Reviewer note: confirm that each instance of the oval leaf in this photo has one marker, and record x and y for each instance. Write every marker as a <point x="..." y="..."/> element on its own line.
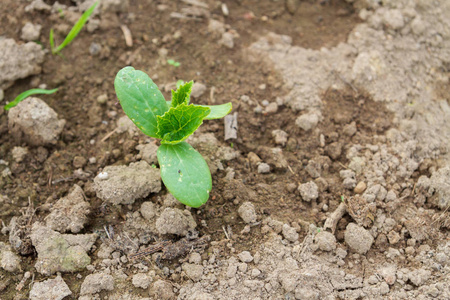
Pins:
<point x="178" y="123"/>
<point x="140" y="99"/>
<point x="218" y="111"/>
<point x="185" y="173"/>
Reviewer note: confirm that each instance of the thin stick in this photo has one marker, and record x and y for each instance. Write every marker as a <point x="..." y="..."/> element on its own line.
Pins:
<point x="108" y="135"/>
<point x="127" y="34"/>
<point x="226" y="233"/>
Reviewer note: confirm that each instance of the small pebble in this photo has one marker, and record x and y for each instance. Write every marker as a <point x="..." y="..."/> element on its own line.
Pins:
<point x="263" y="168"/>
<point x="360" y="187"/>
<point x="102" y="98"/>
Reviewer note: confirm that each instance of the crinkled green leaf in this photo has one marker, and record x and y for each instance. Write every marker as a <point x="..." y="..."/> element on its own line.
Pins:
<point x="180" y="122"/>
<point x="140" y="99"/>
<point x="185" y="173"/>
<point x="218" y="111"/>
<point x="182" y="94"/>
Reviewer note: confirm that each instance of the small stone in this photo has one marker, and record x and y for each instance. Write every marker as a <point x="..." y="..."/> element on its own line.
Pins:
<point x="79" y="162"/>
<point x="247" y="212"/>
<point x="102" y="99"/>
<point x="31" y="32"/>
<point x="263" y="168"/>
<point x="198" y="89"/>
<point x="280" y="137"/>
<point x="292" y="6"/>
<point x="195" y="258"/>
<point x="289" y="233"/>
<point x="308" y="191"/>
<point x="393" y="18"/>
<point x="243" y="267"/>
<point x="70" y="212"/>
<point x="253" y="158"/>
<point x="148" y="152"/>
<point x="162" y="290"/>
<point x="349" y="129"/>
<point x="175" y="221"/>
<point x="360" y="187"/>
<point x="9" y="261"/>
<point x="227" y="40"/>
<point x="141" y="280"/>
<point x="419" y="277"/>
<point x="51" y="246"/>
<point x="394" y="237"/>
<point x="325" y="240"/>
<point x="256" y="272"/>
<point x="384" y="288"/>
<point x="245" y="256"/>
<point x="358" y="238"/>
<point x="193" y="271"/>
<point x="148" y="210"/>
<point x="55" y="289"/>
<point x="19" y="153"/>
<point x="36" y="122"/>
<point x="334" y="150"/>
<point x="95" y="49"/>
<point x="231" y="270"/>
<point x="307" y="121"/>
<point x="271" y="108"/>
<point x="97" y="282"/>
<point x="139" y="178"/>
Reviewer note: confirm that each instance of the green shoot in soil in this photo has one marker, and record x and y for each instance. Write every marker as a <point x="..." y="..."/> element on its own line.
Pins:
<point x="183" y="170"/>
<point x="73" y="32"/>
<point x="173" y="63"/>
<point x="26" y="94"/>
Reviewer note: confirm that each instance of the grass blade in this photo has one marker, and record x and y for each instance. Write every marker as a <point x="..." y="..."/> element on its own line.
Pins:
<point x="52" y="41"/>
<point x="76" y="28"/>
<point x="26" y="94"/>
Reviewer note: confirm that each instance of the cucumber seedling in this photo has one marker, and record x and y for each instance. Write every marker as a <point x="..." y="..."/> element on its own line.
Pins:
<point x="184" y="172"/>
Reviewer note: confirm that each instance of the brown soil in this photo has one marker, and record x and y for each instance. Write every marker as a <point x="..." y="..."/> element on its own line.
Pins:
<point x="46" y="174"/>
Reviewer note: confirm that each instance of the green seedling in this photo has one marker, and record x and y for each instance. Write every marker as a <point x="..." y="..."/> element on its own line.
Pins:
<point x="27" y="94"/>
<point x="183" y="170"/>
<point x="180" y="83"/>
<point x="73" y="32"/>
<point x="173" y="63"/>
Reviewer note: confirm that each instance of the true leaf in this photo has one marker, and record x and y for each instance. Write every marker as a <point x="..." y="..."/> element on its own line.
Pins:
<point x="180" y="122"/>
<point x="185" y="173"/>
<point x="182" y="94"/>
<point x="140" y="99"/>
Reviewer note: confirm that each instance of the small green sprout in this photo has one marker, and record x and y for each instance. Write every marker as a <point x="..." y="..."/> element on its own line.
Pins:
<point x="173" y="63"/>
<point x="27" y="94"/>
<point x="183" y="170"/>
<point x="73" y="32"/>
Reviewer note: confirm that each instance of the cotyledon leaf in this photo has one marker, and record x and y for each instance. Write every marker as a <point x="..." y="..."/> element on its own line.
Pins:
<point x="140" y="99"/>
<point x="178" y="123"/>
<point x="182" y="94"/>
<point x="185" y="173"/>
<point x="217" y="111"/>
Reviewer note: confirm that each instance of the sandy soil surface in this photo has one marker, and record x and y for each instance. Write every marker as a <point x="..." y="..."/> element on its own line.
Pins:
<point x="336" y="187"/>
